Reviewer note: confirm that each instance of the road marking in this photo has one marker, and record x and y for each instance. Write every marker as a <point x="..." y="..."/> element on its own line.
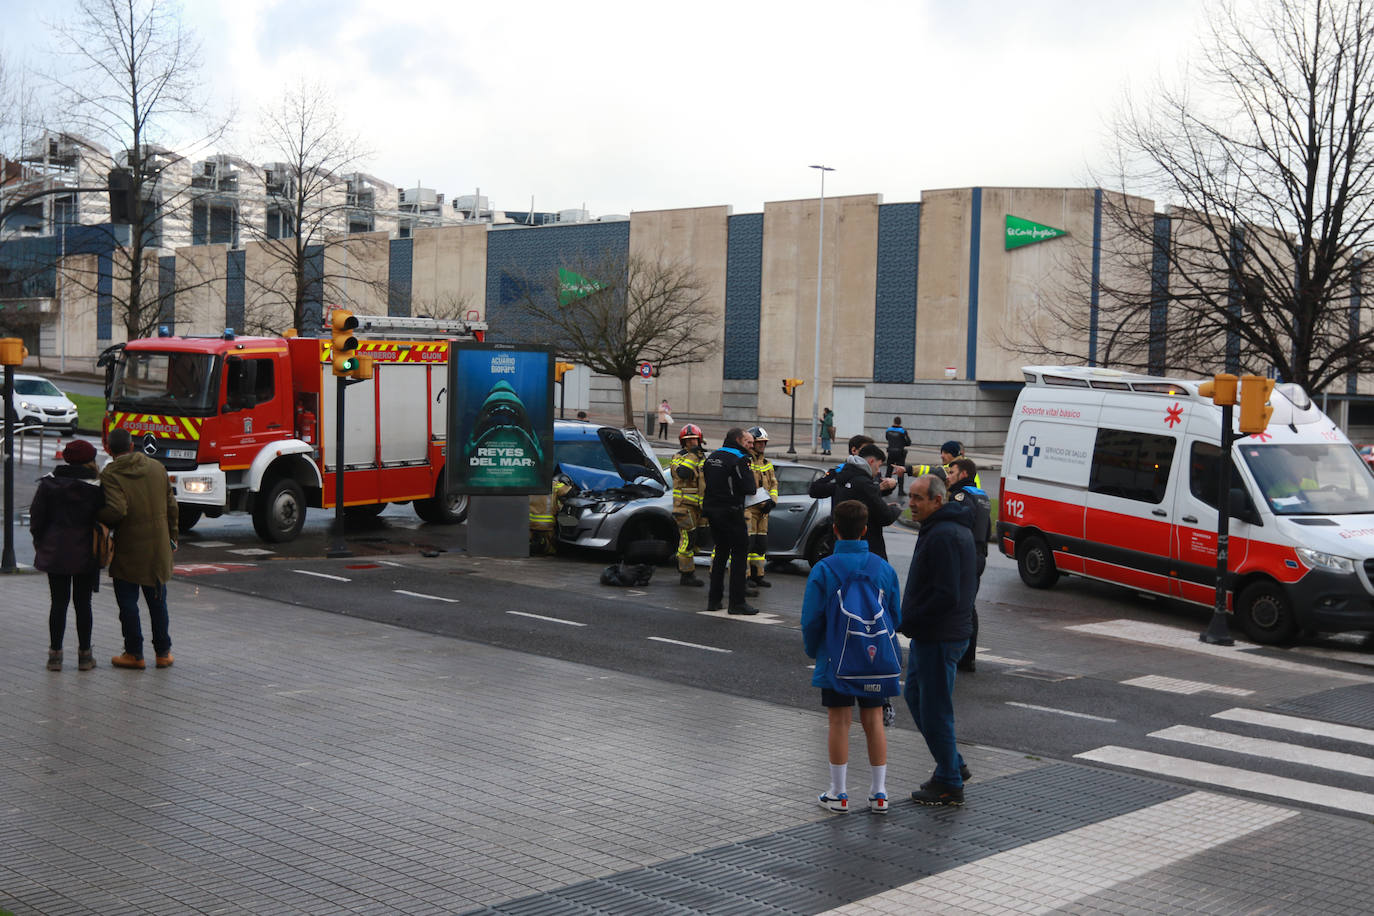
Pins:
<point x="1355" y="655"/>
<point x="1154" y="634"/>
<point x="690" y="645"/>
<point x="206" y="543"/>
<point x="1263" y="747"/>
<point x="253" y="552"/>
<point x="1174" y="685"/>
<point x="401" y="591"/>
<point x="1295" y="724"/>
<point x="390" y="563"/>
<point x="1000" y="660"/>
<point x="571" y="623"/>
<point x="311" y="572"/>
<point x="761" y="617"/>
<point x="1061" y="712"/>
<point x="1291" y="790"/>
<point x="1117" y="851"/>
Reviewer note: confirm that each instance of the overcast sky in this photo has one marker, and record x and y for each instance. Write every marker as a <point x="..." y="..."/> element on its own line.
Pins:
<point x="644" y="106"/>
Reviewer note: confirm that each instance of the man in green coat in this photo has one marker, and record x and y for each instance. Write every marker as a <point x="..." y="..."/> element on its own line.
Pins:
<point x="141" y="509"/>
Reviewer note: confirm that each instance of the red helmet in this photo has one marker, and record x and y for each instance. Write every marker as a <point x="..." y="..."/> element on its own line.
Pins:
<point x="690" y="431"/>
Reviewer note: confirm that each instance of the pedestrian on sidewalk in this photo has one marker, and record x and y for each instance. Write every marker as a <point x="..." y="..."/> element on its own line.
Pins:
<point x="827" y="430"/>
<point x="729" y="481"/>
<point x="831" y="578"/>
<point x="62" y="520"/>
<point x="937" y="610"/>
<point x="665" y="416"/>
<point x="141" y="509"/>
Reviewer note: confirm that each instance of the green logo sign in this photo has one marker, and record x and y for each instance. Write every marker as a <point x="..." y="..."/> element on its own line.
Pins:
<point x="573" y="286"/>
<point x="1021" y="232"/>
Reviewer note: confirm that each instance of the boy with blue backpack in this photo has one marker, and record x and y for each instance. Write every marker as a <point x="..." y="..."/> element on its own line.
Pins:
<point x="850" y="616"/>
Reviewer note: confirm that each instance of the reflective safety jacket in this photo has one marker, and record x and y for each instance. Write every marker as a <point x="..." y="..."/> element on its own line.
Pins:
<point x="689" y="485"/>
<point x="544" y="506"/>
<point x="765" y="477"/>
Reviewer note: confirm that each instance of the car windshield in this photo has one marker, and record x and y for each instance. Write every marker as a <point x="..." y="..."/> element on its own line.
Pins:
<point x="609" y="461"/>
<point x="168" y="381"/>
<point x="36" y="387"/>
<point x="1326" y="479"/>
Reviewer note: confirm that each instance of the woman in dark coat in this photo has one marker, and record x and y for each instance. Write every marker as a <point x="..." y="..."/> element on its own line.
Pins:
<point x="62" y="519"/>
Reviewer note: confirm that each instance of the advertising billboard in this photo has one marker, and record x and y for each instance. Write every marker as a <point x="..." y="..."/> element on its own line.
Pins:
<point x="500" y="419"/>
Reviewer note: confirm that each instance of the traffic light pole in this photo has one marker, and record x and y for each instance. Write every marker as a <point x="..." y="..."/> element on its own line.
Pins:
<point x="1218" y="633"/>
<point x="792" y="427"/>
<point x="338" y="547"/>
<point x="7" y="564"/>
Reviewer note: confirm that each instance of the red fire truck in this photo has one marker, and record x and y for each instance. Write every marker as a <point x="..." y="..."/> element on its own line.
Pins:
<point x="246" y="424"/>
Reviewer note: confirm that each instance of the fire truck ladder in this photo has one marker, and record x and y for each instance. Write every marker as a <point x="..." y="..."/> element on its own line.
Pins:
<point x="387" y="327"/>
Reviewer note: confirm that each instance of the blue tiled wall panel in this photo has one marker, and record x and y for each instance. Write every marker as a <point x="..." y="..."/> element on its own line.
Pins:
<point x="104" y="297"/>
<point x="166" y="292"/>
<point x="535" y="255"/>
<point x="1159" y="296"/>
<point x="743" y="295"/>
<point x="1356" y="297"/>
<point x="314" y="286"/>
<point x="233" y="291"/>
<point x="400" y="265"/>
<point x="894" y="337"/>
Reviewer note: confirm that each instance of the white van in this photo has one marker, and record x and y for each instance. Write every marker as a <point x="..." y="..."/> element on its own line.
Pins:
<point x="1113" y="476"/>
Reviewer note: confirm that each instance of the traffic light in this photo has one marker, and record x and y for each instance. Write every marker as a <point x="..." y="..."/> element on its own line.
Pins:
<point x="12" y="351"/>
<point x="1254" y="403"/>
<point x="790" y="386"/>
<point x="560" y="370"/>
<point x="343" y="346"/>
<point x="1221" y="389"/>
<point x="120" y="183"/>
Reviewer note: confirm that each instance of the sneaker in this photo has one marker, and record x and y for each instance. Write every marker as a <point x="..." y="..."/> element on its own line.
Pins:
<point x="877" y="803"/>
<point x="838" y="804"/>
<point x="938" y="793"/>
<point x="747" y="610"/>
<point x="125" y="660"/>
<point x="761" y="582"/>
<point x="692" y="579"/>
<point x="965" y="774"/>
<point x="54" y="659"/>
<point x="164" y="661"/>
<point x="85" y="660"/>
<point x="714" y="606"/>
<point x="889" y="714"/>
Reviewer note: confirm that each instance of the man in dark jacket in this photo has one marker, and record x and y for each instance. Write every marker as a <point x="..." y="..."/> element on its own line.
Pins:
<point x="858" y="479"/>
<point x="62" y="520"/>
<point x="823" y="487"/>
<point x="141" y="509"/>
<point x="937" y="610"/>
<point x="897" y="444"/>
<point x="729" y="479"/>
<point x="963" y="493"/>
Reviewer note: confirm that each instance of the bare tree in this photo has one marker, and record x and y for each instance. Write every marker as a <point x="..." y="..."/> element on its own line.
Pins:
<point x="616" y="311"/>
<point x="130" y="80"/>
<point x="1266" y="164"/>
<point x="308" y="207"/>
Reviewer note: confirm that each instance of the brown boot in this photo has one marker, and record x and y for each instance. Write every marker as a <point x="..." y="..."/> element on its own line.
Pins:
<point x="125" y="660"/>
<point x="164" y="661"/>
<point x="85" y="660"/>
<point x="54" y="659"/>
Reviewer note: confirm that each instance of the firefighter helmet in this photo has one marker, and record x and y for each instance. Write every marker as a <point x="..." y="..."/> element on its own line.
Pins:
<point x="759" y="433"/>
<point x="690" y="431"/>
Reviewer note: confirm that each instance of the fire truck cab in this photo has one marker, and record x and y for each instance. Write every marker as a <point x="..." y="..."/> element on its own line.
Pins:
<point x="246" y="424"/>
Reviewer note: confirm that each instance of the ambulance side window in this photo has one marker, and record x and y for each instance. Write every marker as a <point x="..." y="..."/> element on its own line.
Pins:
<point x="1204" y="467"/>
<point x="1131" y="465"/>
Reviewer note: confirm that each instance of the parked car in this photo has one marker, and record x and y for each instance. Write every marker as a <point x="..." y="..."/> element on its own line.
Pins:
<point x="38" y="401"/>
<point x="624" y="495"/>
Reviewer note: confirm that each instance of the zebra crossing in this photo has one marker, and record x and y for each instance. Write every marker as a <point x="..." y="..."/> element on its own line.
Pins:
<point x="1244" y="748"/>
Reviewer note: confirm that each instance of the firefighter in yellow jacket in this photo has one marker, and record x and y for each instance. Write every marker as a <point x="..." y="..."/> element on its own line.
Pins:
<point x="689" y="486"/>
<point x="756" y="515"/>
<point x="543" y="511"/>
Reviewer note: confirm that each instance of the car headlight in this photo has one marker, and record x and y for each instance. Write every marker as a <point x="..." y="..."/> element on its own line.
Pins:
<point x="25" y="405"/>
<point x="608" y="507"/>
<point x="1315" y="558"/>
<point x="197" y="484"/>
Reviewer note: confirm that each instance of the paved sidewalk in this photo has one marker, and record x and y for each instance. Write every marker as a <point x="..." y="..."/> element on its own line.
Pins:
<point x="295" y="761"/>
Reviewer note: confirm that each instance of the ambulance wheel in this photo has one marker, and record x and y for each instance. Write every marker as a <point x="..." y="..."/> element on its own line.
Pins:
<point x="1266" y="614"/>
<point x="187" y="516"/>
<point x="1035" y="562"/>
<point x="441" y="509"/>
<point x="279" y="511"/>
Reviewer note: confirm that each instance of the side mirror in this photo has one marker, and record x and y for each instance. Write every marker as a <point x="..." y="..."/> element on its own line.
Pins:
<point x="1242" y="508"/>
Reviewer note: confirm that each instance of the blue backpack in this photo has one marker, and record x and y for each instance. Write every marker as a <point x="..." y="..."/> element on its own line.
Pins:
<point x="865" y="659"/>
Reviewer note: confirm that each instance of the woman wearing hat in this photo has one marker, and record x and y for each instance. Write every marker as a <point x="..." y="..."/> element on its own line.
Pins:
<point x="62" y="519"/>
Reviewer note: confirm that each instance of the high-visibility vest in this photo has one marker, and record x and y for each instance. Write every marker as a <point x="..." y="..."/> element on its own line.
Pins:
<point x="765" y="476"/>
<point x="690" y="491"/>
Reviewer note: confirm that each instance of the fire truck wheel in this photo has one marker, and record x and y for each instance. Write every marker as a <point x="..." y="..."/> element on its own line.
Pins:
<point x="187" y="516"/>
<point x="442" y="510"/>
<point x="1035" y="562"/>
<point x="279" y="511"/>
<point x="1266" y="614"/>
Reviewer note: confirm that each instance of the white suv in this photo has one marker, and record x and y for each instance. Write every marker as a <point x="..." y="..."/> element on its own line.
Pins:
<point x="37" y="401"/>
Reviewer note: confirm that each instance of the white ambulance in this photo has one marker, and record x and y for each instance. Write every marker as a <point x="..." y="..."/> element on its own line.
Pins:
<point x="1114" y="476"/>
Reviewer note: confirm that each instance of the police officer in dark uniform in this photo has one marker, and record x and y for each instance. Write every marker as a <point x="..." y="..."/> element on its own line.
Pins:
<point x="729" y="479"/>
<point x="963" y="492"/>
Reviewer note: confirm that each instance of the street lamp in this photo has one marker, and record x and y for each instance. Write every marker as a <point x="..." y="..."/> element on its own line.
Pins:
<point x="816" y="356"/>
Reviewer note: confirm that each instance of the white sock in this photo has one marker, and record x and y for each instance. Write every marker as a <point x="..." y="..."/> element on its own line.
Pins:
<point x="879" y="780"/>
<point x="838" y="774"/>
